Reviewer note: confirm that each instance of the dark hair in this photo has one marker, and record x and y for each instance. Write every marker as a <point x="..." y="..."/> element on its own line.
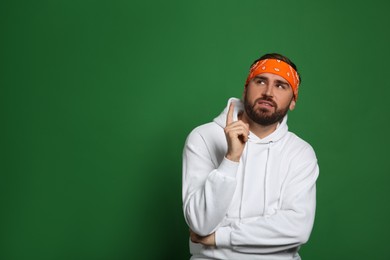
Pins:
<point x="279" y="57"/>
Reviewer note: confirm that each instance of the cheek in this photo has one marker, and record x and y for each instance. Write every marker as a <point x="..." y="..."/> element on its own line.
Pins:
<point x="251" y="94"/>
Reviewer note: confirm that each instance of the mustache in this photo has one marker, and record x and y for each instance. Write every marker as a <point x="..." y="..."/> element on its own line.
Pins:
<point x="265" y="98"/>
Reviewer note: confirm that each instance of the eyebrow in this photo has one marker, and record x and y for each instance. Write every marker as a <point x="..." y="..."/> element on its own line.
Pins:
<point x="261" y="77"/>
<point x="277" y="81"/>
<point x="282" y="82"/>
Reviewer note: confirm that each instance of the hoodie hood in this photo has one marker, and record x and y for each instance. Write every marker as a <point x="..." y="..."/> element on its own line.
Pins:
<point x="278" y="134"/>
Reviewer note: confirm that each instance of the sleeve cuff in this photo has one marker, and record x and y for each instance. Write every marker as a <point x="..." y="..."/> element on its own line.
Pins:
<point x="222" y="237"/>
<point x="228" y="168"/>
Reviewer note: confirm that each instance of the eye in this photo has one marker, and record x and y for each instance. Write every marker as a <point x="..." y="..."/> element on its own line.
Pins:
<point x="260" y="81"/>
<point x="281" y="86"/>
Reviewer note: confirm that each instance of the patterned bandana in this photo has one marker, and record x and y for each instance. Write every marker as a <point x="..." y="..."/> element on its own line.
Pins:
<point x="277" y="67"/>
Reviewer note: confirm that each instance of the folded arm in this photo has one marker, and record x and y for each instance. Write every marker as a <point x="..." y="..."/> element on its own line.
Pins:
<point x="207" y="188"/>
<point x="288" y="227"/>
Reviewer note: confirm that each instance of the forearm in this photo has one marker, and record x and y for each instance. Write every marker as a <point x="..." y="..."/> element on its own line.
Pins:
<point x="284" y="228"/>
<point x="264" y="235"/>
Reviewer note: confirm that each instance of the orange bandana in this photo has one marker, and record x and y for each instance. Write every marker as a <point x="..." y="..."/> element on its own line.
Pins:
<point x="277" y="67"/>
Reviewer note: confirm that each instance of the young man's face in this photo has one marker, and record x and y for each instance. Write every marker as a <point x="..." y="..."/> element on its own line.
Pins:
<point x="267" y="98"/>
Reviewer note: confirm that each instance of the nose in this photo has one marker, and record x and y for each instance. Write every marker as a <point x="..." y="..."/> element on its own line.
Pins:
<point x="268" y="90"/>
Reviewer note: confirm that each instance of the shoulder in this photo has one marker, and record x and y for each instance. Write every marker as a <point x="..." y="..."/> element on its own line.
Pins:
<point x="207" y="141"/>
<point x="205" y="132"/>
<point x="208" y="138"/>
<point x="299" y="147"/>
<point x="300" y="157"/>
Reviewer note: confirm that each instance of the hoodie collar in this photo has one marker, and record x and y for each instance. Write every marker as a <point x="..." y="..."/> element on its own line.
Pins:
<point x="275" y="136"/>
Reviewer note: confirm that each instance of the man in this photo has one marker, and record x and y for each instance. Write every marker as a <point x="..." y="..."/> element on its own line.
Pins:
<point x="248" y="183"/>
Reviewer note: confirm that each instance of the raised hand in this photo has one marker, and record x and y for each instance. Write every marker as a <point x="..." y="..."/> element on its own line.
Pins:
<point x="236" y="135"/>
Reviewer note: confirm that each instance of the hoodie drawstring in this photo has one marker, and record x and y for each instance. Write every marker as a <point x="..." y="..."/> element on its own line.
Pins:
<point x="265" y="178"/>
<point x="243" y="179"/>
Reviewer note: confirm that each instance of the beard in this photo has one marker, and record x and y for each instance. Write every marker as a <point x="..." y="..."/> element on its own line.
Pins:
<point x="264" y="116"/>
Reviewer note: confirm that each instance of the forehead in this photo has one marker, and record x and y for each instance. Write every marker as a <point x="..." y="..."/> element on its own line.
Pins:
<point x="271" y="76"/>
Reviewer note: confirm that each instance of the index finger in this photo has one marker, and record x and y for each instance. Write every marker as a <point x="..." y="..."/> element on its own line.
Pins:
<point x="229" y="117"/>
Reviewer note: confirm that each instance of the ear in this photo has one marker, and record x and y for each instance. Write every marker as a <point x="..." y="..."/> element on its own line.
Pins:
<point x="292" y="104"/>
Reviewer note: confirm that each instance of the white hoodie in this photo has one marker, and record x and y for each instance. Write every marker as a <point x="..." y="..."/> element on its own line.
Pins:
<point x="260" y="208"/>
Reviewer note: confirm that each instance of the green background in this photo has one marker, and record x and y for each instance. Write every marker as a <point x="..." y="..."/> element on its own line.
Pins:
<point x="97" y="98"/>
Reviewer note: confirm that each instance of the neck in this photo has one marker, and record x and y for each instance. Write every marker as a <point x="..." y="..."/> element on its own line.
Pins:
<point x="259" y="130"/>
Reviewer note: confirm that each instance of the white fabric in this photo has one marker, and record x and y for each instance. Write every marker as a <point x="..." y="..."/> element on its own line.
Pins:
<point x="260" y="208"/>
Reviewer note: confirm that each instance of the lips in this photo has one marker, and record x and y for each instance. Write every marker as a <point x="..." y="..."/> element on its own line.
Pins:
<point x="266" y="103"/>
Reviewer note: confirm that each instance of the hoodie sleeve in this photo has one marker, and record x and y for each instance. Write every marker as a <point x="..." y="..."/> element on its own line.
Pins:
<point x="207" y="188"/>
<point x="288" y="227"/>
